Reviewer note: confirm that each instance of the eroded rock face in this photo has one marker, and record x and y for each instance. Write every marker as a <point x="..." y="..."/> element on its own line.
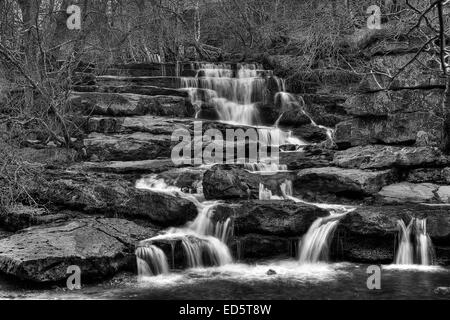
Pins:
<point x="378" y="157"/>
<point x="111" y="195"/>
<point x="276" y="218"/>
<point x="256" y="247"/>
<point x="368" y="234"/>
<point x="127" y="147"/>
<point x="100" y="247"/>
<point x="351" y="183"/>
<point x="234" y="182"/>
<point x="416" y="193"/>
<point x="129" y="104"/>
<point x="418" y="128"/>
<point x="17" y="217"/>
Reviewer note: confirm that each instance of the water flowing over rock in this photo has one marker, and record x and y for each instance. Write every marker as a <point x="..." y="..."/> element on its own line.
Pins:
<point x="415" y="245"/>
<point x="100" y="247"/>
<point x="370" y="234"/>
<point x="277" y="218"/>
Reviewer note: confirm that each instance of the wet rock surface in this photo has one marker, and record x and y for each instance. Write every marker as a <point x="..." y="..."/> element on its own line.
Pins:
<point x="99" y="247"/>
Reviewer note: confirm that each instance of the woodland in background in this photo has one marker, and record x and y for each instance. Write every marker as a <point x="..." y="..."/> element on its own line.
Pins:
<point x="39" y="55"/>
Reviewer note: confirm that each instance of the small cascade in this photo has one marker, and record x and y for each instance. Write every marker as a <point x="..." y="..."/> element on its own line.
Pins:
<point x="314" y="246"/>
<point x="415" y="245"/>
<point x="267" y="168"/>
<point x="151" y="261"/>
<point x="203" y="241"/>
<point x="288" y="102"/>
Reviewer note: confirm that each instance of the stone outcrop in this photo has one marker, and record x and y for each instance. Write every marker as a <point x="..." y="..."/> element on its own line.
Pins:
<point x="379" y="157"/>
<point x="415" y="192"/>
<point x="128" y="104"/>
<point x="274" y="218"/>
<point x="99" y="247"/>
<point x="369" y="234"/>
<point x="234" y="182"/>
<point x="110" y="195"/>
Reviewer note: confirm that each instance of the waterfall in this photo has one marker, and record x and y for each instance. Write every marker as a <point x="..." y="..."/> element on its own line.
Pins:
<point x="235" y="95"/>
<point x="415" y="245"/>
<point x="151" y="261"/>
<point x="203" y="241"/>
<point x="314" y="246"/>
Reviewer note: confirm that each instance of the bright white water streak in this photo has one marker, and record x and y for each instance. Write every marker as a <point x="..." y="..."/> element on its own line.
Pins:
<point x="234" y="98"/>
<point x="200" y="238"/>
<point x="151" y="261"/>
<point x="415" y="246"/>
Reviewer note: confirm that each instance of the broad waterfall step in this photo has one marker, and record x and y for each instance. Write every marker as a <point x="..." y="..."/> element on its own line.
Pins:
<point x="135" y="89"/>
<point x="162" y="82"/>
<point x="127" y="104"/>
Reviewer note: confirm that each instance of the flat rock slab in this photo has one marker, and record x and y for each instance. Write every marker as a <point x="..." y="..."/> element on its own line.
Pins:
<point x="415" y="193"/>
<point x="156" y="81"/>
<point x="100" y="247"/>
<point x="128" y="147"/>
<point x="149" y="124"/>
<point x="127" y="104"/>
<point x="379" y="157"/>
<point x="134" y="89"/>
<point x="353" y="183"/>
<point x="111" y="196"/>
<point x="130" y="167"/>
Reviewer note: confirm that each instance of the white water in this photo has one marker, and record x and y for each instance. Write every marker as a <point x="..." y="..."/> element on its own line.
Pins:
<point x="151" y="260"/>
<point x="203" y="241"/>
<point x="415" y="247"/>
<point x="234" y="96"/>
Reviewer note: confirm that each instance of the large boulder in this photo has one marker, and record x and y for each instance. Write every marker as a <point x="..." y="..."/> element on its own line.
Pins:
<point x="378" y="157"/>
<point x="234" y="182"/>
<point x="128" y="104"/>
<point x="110" y="195"/>
<point x="99" y="247"/>
<point x="369" y="234"/>
<point x="150" y="124"/>
<point x="348" y="183"/>
<point x="276" y="218"/>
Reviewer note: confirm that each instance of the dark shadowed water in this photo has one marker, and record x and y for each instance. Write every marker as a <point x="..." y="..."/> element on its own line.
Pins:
<point x="291" y="281"/>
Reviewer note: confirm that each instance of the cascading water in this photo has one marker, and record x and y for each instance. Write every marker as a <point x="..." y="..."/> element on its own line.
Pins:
<point x="415" y="245"/>
<point x="151" y="260"/>
<point x="234" y="94"/>
<point x="203" y="241"/>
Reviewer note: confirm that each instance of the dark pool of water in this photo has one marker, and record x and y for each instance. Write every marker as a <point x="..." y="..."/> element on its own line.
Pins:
<point x="293" y="282"/>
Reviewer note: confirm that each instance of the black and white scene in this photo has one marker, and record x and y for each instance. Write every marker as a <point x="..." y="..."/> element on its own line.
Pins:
<point x="212" y="150"/>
